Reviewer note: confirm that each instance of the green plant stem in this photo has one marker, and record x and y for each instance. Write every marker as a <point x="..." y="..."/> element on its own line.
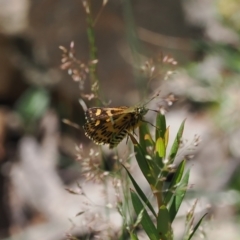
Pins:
<point x="93" y="49"/>
<point x="134" y="44"/>
<point x="158" y="194"/>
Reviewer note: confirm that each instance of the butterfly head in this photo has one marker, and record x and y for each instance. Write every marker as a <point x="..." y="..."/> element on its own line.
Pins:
<point x="141" y="110"/>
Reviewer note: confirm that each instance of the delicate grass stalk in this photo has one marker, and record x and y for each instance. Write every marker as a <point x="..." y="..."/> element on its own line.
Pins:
<point x="134" y="44"/>
<point x="92" y="46"/>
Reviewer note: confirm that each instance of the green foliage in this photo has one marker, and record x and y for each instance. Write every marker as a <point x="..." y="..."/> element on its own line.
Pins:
<point x="144" y="218"/>
<point x="154" y="157"/>
<point x="32" y="104"/>
<point x="151" y="158"/>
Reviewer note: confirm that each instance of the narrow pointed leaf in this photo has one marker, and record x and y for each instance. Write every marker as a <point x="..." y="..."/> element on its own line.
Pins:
<point x="143" y="164"/>
<point x="176" y="143"/>
<point x="146" y="221"/>
<point x="178" y="197"/>
<point x="196" y="226"/>
<point x="161" y="126"/>
<point x="146" y="141"/>
<point x="141" y="193"/>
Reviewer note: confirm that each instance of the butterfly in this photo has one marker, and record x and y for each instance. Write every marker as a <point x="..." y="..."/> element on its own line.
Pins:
<point x="111" y="125"/>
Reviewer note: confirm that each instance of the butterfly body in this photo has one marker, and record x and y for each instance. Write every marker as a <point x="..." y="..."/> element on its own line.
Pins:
<point x="111" y="125"/>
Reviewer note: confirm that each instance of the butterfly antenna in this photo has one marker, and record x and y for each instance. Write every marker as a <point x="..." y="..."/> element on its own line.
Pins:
<point x="153" y="110"/>
<point x="157" y="95"/>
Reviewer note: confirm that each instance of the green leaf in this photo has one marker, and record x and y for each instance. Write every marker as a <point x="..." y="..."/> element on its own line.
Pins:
<point x="160" y="148"/>
<point x="160" y="152"/>
<point x="33" y="103"/>
<point x="133" y="236"/>
<point x="164" y="224"/>
<point x="145" y="138"/>
<point x="143" y="164"/>
<point x="161" y="126"/>
<point x="196" y="226"/>
<point x="166" y="137"/>
<point x="176" y="143"/>
<point x="178" y="197"/>
<point x="141" y="193"/>
<point x="175" y="180"/>
<point x="146" y="221"/>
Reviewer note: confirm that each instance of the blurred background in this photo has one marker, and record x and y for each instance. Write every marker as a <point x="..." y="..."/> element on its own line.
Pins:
<point x="38" y="152"/>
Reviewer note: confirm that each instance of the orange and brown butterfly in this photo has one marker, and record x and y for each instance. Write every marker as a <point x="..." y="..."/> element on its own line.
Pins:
<point x="111" y="125"/>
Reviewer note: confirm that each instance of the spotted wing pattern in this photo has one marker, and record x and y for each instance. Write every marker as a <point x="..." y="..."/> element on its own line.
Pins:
<point x="111" y="125"/>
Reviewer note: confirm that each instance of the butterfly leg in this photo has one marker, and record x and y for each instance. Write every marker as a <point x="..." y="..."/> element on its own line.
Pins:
<point x="127" y="139"/>
<point x="150" y="124"/>
<point x="134" y="132"/>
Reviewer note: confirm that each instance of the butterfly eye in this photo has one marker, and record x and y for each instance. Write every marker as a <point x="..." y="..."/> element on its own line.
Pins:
<point x="139" y="110"/>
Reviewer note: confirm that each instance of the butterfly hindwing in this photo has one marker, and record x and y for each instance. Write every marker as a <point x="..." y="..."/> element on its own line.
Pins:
<point x="111" y="125"/>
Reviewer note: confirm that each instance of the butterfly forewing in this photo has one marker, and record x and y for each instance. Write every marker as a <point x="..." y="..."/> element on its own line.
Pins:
<point x="111" y="125"/>
<point x="103" y="113"/>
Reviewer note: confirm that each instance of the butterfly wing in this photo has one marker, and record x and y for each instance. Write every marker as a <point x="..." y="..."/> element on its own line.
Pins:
<point x="99" y="123"/>
<point x="103" y="113"/>
<point x="110" y="125"/>
<point x="122" y="125"/>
